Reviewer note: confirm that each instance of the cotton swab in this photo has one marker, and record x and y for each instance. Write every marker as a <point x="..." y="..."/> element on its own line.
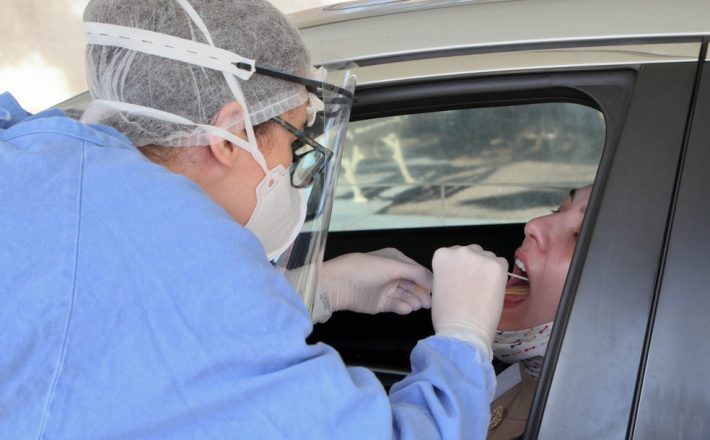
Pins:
<point x="520" y="277"/>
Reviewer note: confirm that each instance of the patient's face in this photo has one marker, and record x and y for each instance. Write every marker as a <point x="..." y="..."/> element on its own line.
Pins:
<point x="546" y="253"/>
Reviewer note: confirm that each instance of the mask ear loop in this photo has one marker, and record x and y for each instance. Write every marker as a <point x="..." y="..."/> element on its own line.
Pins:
<point x="99" y="108"/>
<point x="233" y="86"/>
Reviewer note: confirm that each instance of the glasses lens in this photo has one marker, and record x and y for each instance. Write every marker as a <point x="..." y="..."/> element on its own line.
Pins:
<point x="305" y="167"/>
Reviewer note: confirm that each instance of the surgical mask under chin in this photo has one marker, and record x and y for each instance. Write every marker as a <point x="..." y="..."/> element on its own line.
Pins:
<point x="527" y="346"/>
<point x="280" y="212"/>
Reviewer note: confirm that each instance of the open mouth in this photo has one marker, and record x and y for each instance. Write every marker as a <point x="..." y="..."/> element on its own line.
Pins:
<point x="516" y="286"/>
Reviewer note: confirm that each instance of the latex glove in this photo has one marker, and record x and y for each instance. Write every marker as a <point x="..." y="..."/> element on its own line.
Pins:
<point x="382" y="281"/>
<point x="467" y="298"/>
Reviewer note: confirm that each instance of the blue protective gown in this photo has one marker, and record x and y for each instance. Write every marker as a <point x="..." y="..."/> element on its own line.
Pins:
<point x="132" y="306"/>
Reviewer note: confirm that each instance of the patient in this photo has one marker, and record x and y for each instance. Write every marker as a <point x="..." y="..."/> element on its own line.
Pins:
<point x="529" y="309"/>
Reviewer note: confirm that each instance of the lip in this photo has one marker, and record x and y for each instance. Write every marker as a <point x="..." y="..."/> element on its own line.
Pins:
<point x="511" y="301"/>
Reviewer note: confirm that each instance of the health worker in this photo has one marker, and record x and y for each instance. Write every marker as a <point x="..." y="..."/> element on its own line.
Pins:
<point x="146" y="249"/>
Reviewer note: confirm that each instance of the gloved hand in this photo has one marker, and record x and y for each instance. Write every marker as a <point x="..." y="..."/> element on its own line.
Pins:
<point x="382" y="281"/>
<point x="467" y="298"/>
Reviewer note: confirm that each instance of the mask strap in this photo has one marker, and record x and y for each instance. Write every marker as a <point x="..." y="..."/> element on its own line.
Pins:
<point x="98" y="107"/>
<point x="188" y="51"/>
<point x="195" y="17"/>
<point x="233" y="86"/>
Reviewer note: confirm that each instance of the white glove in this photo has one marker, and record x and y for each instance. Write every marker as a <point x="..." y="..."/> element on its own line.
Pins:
<point x="382" y="281"/>
<point x="467" y="298"/>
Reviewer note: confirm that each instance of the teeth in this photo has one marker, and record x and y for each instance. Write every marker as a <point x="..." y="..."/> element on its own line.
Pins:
<point x="520" y="265"/>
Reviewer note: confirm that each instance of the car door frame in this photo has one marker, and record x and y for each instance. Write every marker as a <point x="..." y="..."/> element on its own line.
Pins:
<point x="672" y="388"/>
<point x="594" y="364"/>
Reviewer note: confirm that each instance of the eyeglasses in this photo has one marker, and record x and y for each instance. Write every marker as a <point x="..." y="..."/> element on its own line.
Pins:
<point x="309" y="156"/>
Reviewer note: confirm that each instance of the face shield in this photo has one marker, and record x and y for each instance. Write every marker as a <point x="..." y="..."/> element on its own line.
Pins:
<point x="317" y="156"/>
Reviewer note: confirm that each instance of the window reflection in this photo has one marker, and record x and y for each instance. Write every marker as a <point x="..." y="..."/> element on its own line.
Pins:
<point x="471" y="166"/>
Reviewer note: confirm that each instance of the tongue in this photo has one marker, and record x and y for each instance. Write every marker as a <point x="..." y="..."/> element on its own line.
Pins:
<point x="518" y="290"/>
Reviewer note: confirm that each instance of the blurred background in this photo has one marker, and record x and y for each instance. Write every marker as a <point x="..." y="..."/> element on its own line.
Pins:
<point x="41" y="54"/>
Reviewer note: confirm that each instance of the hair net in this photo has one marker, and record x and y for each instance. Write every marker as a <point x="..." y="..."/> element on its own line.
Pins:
<point x="251" y="28"/>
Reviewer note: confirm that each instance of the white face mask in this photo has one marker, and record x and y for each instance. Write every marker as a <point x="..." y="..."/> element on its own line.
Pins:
<point x="280" y="212"/>
<point x="527" y="346"/>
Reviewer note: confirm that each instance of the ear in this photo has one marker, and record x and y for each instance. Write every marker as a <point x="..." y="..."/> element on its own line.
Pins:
<point x="224" y="151"/>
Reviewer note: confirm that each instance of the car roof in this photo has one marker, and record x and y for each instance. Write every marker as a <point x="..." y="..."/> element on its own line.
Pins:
<point x="381" y="29"/>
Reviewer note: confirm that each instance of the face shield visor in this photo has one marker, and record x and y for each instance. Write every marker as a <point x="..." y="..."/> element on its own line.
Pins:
<point x="317" y="156"/>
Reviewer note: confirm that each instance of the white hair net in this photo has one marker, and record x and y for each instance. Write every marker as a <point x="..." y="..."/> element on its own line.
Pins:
<point x="251" y="28"/>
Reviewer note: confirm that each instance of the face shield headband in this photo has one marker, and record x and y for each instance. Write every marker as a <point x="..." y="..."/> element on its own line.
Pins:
<point x="313" y="86"/>
<point x="205" y="55"/>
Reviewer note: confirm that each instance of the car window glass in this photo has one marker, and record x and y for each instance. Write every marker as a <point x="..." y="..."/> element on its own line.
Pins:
<point x="464" y="167"/>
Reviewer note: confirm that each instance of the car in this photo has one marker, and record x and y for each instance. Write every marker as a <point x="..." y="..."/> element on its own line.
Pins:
<point x="474" y="116"/>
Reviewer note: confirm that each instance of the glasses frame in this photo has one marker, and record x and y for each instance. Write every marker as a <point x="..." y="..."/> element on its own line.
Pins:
<point x="317" y="148"/>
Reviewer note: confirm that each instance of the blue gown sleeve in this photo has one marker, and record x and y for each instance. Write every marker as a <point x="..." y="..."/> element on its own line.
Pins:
<point x="10" y="111"/>
<point x="448" y="393"/>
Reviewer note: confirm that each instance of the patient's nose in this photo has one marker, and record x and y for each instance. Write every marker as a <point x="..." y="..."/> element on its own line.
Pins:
<point x="536" y="230"/>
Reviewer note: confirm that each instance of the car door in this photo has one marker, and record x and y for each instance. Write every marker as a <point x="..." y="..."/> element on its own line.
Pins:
<point x="672" y="390"/>
<point x="622" y="91"/>
<point x="607" y="371"/>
